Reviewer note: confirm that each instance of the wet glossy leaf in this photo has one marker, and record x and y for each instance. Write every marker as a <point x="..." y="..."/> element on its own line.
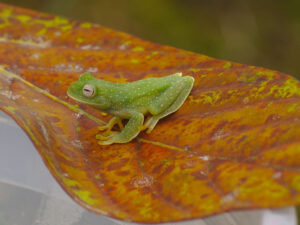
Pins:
<point x="234" y="144"/>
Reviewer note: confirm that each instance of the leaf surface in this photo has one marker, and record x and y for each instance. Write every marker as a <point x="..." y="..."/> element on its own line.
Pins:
<point x="234" y="144"/>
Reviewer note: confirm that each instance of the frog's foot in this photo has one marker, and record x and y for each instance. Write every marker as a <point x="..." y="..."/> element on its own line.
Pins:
<point x="106" y="137"/>
<point x="150" y="124"/>
<point x="106" y="133"/>
<point x="107" y="140"/>
<point x="107" y="128"/>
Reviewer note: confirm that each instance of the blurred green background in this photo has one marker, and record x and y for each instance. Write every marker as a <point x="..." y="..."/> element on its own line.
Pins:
<point x="263" y="33"/>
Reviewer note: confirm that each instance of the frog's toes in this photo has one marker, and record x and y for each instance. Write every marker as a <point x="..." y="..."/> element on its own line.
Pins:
<point x="103" y="128"/>
<point x="106" y="142"/>
<point x="107" y="135"/>
<point x="150" y="124"/>
<point x="102" y="137"/>
<point x="114" y="138"/>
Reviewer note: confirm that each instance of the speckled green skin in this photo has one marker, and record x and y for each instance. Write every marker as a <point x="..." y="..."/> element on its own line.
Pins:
<point x="156" y="97"/>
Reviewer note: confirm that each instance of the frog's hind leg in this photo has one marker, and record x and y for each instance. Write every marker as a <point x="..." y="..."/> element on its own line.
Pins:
<point x="150" y="123"/>
<point x="181" y="97"/>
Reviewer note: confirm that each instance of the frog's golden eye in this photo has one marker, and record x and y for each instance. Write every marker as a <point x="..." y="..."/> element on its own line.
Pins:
<point x="88" y="90"/>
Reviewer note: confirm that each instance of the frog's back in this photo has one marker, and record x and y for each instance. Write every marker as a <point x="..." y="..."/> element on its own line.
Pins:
<point x="160" y="81"/>
<point x="139" y="93"/>
<point x="155" y="83"/>
<point x="150" y="86"/>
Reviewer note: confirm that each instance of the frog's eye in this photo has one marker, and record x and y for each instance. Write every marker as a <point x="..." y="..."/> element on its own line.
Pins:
<point x="88" y="90"/>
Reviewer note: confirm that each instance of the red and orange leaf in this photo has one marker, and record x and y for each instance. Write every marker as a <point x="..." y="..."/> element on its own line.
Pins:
<point x="234" y="144"/>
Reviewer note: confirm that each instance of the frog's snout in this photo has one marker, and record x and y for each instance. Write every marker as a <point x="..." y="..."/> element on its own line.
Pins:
<point x="73" y="89"/>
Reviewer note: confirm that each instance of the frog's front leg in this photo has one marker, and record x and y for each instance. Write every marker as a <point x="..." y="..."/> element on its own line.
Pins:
<point x="130" y="131"/>
<point x="115" y="120"/>
<point x="107" y="136"/>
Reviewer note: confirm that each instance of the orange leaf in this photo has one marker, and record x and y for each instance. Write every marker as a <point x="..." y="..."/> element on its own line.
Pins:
<point x="234" y="144"/>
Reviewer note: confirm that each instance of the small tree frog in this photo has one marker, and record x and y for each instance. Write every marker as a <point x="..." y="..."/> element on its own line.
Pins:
<point x="151" y="97"/>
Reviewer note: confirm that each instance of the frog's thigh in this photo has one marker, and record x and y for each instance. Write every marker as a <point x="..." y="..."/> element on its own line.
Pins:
<point x="131" y="130"/>
<point x="185" y="91"/>
<point x="163" y="101"/>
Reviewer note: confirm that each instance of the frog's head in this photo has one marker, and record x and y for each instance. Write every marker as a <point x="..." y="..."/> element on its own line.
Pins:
<point x="85" y="91"/>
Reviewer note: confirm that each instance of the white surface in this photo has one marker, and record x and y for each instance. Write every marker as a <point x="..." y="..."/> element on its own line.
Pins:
<point x="279" y="217"/>
<point x="23" y="174"/>
<point x="20" y="163"/>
